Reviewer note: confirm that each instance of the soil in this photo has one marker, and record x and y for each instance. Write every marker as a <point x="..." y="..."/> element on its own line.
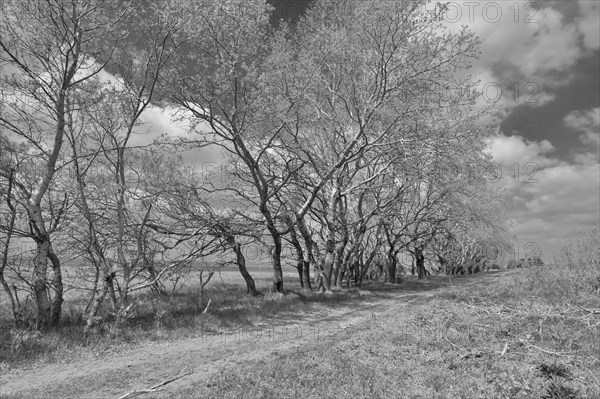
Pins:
<point x="113" y="376"/>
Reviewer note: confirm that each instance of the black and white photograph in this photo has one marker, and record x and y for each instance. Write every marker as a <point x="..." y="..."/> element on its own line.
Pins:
<point x="299" y="199"/>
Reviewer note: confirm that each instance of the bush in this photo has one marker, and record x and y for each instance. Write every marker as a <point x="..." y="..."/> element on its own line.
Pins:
<point x="580" y="260"/>
<point x="573" y="277"/>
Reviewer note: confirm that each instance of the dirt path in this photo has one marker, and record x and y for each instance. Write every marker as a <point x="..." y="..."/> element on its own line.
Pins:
<point x="114" y="376"/>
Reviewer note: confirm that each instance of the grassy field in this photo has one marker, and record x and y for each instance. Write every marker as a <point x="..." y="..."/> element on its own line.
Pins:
<point x="155" y="318"/>
<point x="526" y="333"/>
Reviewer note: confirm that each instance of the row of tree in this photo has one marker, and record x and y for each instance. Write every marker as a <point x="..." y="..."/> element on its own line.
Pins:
<point x="349" y="138"/>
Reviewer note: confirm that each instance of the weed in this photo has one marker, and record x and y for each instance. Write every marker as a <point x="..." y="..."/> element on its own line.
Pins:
<point x="550" y="371"/>
<point x="557" y="390"/>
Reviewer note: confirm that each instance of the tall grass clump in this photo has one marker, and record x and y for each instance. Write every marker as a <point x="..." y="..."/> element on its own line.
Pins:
<point x="574" y="276"/>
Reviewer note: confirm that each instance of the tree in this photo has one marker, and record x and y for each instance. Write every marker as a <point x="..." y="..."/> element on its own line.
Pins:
<point x="345" y="75"/>
<point x="219" y="83"/>
<point x="48" y="50"/>
<point x="193" y="210"/>
<point x="109" y="172"/>
<point x="8" y="231"/>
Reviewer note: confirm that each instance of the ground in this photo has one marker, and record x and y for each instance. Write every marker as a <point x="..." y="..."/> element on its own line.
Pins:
<point x="411" y="322"/>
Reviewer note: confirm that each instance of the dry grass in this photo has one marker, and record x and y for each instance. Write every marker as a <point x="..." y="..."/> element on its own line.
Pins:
<point x="514" y="337"/>
<point x="526" y="333"/>
<point x="153" y="318"/>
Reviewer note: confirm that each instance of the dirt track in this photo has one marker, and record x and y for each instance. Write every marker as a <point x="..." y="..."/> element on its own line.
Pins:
<point x="114" y="376"/>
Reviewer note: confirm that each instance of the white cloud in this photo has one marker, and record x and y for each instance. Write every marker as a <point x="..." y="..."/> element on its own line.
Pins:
<point x="584" y="120"/>
<point x="547" y="46"/>
<point x="167" y="123"/>
<point x="515" y="149"/>
<point x="528" y="48"/>
<point x="589" y="23"/>
<point x="534" y="40"/>
<point x="551" y="200"/>
<point x="587" y="123"/>
<point x="562" y="202"/>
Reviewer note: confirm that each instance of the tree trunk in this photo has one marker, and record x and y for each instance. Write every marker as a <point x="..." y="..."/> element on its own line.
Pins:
<point x="241" y="262"/>
<point x="95" y="289"/>
<point x="276" y="261"/>
<point x="57" y="287"/>
<point x="299" y="252"/>
<point x="42" y="300"/>
<point x="276" y="237"/>
<point x="354" y="273"/>
<point x="156" y="287"/>
<point x="308" y="254"/>
<point x="391" y="265"/>
<point x="339" y="266"/>
<point x="329" y="257"/>
<point x="121" y="239"/>
<point x="98" y="299"/>
<point x="335" y="270"/>
<point x="354" y="253"/>
<point x="367" y="264"/>
<point x="420" y="260"/>
<point x="300" y="268"/>
<point x="339" y="278"/>
<point x="17" y="318"/>
<point x="341" y="245"/>
<point x="112" y="293"/>
<point x="443" y="264"/>
<point x="42" y="238"/>
<point x="16" y="311"/>
<point x="96" y="252"/>
<point x="360" y="269"/>
<point x="349" y="263"/>
<point x="328" y="262"/>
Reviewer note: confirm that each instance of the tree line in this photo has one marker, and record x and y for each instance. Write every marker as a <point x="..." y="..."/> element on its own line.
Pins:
<point x="349" y="136"/>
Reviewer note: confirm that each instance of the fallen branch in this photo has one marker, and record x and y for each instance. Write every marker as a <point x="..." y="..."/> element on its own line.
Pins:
<point x="505" y="349"/>
<point x="479" y="308"/>
<point x="456" y="346"/>
<point x="156" y="387"/>
<point x="548" y="352"/>
<point x="592" y="311"/>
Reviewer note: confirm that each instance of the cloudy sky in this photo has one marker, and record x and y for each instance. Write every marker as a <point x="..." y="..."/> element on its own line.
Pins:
<point x="540" y="61"/>
<point x="548" y="141"/>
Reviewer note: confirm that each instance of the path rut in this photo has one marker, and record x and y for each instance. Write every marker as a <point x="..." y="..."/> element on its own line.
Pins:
<point x="113" y="376"/>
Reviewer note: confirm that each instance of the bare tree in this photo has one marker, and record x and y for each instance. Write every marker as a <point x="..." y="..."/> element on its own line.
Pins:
<point x="221" y="87"/>
<point x="49" y="49"/>
<point x="193" y="210"/>
<point x="345" y="76"/>
<point x="101" y="122"/>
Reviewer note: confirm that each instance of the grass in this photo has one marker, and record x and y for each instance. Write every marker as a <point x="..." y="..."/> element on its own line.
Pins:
<point x="525" y="333"/>
<point x="519" y="337"/>
<point x="154" y="319"/>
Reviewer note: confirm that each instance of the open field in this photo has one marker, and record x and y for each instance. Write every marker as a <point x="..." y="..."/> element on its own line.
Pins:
<point x="498" y="335"/>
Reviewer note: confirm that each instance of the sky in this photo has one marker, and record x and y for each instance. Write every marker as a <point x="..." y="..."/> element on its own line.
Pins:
<point x="539" y="62"/>
<point x="548" y="141"/>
